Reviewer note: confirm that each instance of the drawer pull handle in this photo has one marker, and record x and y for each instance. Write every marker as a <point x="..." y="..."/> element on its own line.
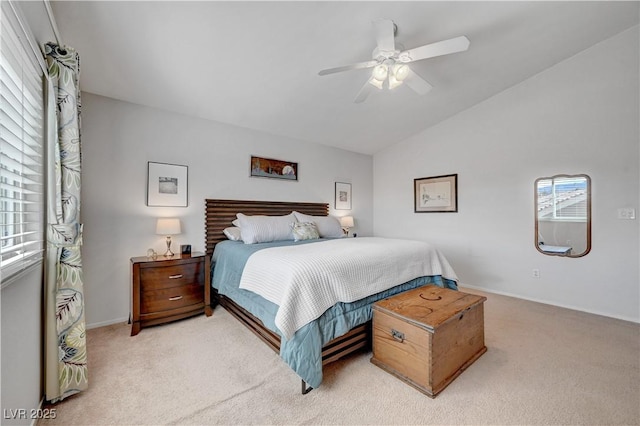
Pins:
<point x="175" y="298"/>
<point x="173" y="277"/>
<point x="397" y="335"/>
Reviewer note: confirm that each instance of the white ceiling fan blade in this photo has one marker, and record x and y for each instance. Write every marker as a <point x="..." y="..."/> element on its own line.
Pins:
<point x="360" y="65"/>
<point x="445" y="47"/>
<point x="363" y="93"/>
<point x="385" y="36"/>
<point x="417" y="83"/>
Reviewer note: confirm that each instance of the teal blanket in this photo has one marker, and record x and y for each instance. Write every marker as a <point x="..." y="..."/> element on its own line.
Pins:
<point x="303" y="352"/>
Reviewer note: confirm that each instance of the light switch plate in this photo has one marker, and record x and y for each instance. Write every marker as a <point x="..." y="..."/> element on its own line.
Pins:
<point x="627" y="213"/>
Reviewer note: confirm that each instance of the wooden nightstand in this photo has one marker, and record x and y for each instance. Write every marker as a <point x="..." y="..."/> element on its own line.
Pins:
<point x="167" y="289"/>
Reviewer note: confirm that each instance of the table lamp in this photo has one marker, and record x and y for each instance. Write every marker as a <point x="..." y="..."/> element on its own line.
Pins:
<point x="346" y="222"/>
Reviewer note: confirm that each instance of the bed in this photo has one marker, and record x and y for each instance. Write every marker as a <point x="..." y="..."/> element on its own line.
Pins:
<point x="340" y="330"/>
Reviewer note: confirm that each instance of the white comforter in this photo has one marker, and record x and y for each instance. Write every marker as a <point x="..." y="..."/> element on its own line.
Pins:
<point x="306" y="280"/>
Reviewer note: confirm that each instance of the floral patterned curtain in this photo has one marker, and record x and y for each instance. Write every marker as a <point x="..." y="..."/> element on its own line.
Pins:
<point x="65" y="339"/>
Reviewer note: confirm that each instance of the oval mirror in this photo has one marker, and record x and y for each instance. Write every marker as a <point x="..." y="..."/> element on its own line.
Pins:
<point x="563" y="215"/>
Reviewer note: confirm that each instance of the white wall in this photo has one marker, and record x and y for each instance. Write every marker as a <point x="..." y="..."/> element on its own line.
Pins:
<point x="22" y="346"/>
<point x="118" y="139"/>
<point x="580" y="116"/>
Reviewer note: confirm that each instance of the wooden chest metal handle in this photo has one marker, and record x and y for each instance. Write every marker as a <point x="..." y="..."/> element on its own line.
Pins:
<point x="432" y="297"/>
<point x="175" y="298"/>
<point x="174" y="277"/>
<point x="397" y="335"/>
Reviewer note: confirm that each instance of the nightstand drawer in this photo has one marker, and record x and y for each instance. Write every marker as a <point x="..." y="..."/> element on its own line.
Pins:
<point x="170" y="298"/>
<point x="171" y="276"/>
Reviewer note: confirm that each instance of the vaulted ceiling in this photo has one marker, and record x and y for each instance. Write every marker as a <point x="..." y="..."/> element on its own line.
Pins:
<point x="255" y="64"/>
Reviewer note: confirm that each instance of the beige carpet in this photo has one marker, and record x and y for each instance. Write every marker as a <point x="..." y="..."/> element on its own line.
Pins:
<point x="544" y="365"/>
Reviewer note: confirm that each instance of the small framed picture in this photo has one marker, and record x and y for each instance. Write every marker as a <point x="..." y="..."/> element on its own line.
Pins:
<point x="167" y="185"/>
<point x="436" y="194"/>
<point x="343" y="196"/>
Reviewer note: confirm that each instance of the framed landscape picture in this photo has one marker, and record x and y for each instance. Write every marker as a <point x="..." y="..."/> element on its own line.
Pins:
<point x="274" y="169"/>
<point x="167" y="185"/>
<point x="436" y="194"/>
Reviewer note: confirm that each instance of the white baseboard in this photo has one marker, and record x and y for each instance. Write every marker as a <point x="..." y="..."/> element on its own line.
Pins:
<point x="105" y="323"/>
<point x="34" y="420"/>
<point x="547" y="302"/>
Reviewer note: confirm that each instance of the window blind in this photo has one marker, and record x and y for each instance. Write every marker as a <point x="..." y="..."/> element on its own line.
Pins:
<point x="562" y="198"/>
<point x="21" y="148"/>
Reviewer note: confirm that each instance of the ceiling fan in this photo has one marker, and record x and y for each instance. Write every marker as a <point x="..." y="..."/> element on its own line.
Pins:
<point x="390" y="61"/>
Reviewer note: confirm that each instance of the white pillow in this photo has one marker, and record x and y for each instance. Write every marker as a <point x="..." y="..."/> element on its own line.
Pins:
<point x="305" y="231"/>
<point x="264" y="229"/>
<point x="233" y="233"/>
<point x="328" y="226"/>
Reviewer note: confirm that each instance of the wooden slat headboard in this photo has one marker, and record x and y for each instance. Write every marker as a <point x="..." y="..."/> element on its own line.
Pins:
<point x="220" y="213"/>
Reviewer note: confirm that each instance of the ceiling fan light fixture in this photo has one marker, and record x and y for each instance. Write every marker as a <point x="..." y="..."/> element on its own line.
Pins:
<point x="394" y="82"/>
<point x="400" y="71"/>
<point x="375" y="82"/>
<point x="380" y="72"/>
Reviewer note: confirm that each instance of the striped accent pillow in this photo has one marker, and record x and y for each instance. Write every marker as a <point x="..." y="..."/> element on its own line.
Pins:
<point x="264" y="229"/>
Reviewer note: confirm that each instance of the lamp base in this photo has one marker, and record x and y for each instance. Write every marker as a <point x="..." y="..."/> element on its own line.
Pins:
<point x="169" y="253"/>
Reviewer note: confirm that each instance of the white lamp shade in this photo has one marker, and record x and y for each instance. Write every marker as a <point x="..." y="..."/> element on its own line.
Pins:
<point x="346" y="221"/>
<point x="401" y="71"/>
<point x="393" y="81"/>
<point x="380" y="72"/>
<point x="168" y="226"/>
<point x="376" y="83"/>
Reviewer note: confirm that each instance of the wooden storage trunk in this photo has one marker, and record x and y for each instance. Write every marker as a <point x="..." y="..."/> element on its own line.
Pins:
<point x="428" y="336"/>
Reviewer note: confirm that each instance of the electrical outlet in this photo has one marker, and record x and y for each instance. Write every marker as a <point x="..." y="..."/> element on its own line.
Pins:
<point x="535" y="273"/>
<point x="628" y="213"/>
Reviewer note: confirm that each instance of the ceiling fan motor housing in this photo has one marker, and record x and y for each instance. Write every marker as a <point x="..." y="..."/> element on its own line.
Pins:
<point x="382" y="55"/>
